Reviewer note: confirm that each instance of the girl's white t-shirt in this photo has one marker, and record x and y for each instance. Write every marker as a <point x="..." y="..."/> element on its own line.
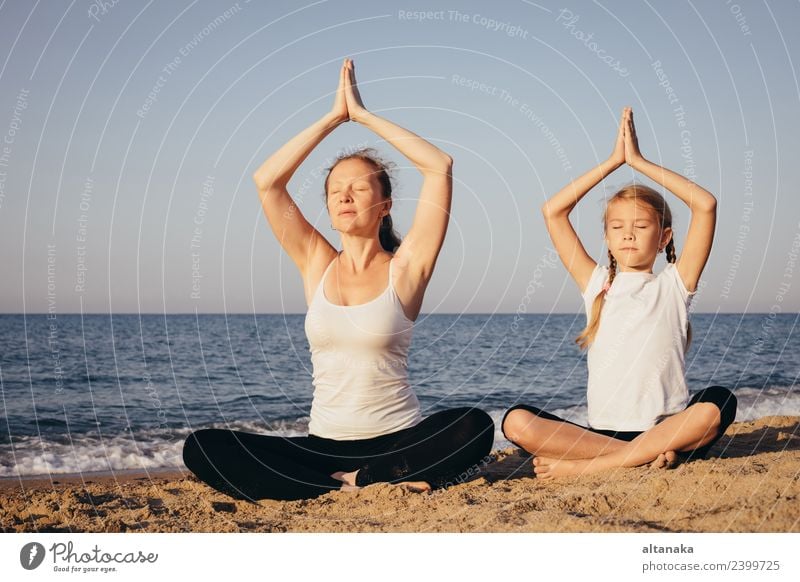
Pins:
<point x="636" y="362"/>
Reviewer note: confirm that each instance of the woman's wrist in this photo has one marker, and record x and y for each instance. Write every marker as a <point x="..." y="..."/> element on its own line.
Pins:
<point x="361" y="116"/>
<point x="333" y="120"/>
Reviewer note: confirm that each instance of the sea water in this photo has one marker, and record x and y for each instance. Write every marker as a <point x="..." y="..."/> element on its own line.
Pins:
<point x="112" y="392"/>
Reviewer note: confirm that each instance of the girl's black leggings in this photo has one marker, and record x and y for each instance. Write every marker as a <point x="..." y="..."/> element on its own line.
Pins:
<point x="717" y="395"/>
<point x="251" y="466"/>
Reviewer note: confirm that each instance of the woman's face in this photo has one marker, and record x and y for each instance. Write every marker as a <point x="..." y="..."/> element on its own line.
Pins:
<point x="355" y="198"/>
<point x="634" y="235"/>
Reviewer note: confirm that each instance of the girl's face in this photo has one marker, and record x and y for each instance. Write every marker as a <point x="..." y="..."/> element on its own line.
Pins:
<point x="355" y="199"/>
<point x="634" y="235"/>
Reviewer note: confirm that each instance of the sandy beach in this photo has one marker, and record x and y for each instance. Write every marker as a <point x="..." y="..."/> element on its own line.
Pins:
<point x="749" y="483"/>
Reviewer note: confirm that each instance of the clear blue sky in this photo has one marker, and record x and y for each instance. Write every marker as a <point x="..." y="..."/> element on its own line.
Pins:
<point x="124" y="127"/>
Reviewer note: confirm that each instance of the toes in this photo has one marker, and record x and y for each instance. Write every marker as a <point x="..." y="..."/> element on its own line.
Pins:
<point x="668" y="460"/>
<point x="660" y="462"/>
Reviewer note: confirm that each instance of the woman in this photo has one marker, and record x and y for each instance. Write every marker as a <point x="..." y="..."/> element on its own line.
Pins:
<point x="366" y="425"/>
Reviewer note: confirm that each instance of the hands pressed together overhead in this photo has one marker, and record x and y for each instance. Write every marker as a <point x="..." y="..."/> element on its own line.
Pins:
<point x="348" y="105"/>
<point x="626" y="147"/>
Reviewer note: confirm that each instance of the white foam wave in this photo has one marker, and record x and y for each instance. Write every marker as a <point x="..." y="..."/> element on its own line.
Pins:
<point x="159" y="448"/>
<point x="149" y="449"/>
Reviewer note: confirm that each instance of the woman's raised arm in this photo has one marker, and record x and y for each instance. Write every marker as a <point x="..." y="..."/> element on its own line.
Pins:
<point x="300" y="240"/>
<point x="421" y="246"/>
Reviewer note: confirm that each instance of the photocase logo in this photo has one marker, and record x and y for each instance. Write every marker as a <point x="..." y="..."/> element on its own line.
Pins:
<point x="31" y="555"/>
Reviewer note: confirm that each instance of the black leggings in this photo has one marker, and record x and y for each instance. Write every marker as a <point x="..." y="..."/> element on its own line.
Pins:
<point x="253" y="466"/>
<point x="717" y="395"/>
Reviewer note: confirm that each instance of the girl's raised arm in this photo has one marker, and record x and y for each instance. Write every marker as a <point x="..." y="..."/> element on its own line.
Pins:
<point x="302" y="242"/>
<point x="557" y="209"/>
<point x="700" y="201"/>
<point x="421" y="246"/>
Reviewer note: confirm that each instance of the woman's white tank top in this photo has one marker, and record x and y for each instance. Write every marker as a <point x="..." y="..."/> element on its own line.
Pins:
<point x="359" y="355"/>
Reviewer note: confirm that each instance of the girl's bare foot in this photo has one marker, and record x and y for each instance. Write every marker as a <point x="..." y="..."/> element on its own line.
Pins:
<point x="548" y="468"/>
<point x="668" y="460"/>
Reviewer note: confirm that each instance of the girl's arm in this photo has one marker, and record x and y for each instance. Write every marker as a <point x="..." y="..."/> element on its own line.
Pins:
<point x="557" y="209"/>
<point x="421" y="246"/>
<point x="700" y="201"/>
<point x="301" y="241"/>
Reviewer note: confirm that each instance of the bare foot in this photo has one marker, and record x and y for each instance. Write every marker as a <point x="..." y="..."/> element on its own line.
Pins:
<point x="668" y="460"/>
<point x="348" y="480"/>
<point x="349" y="483"/>
<point x="547" y="468"/>
<point x="416" y="486"/>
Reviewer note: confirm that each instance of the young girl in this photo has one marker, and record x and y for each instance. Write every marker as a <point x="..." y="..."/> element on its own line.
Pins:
<point x="366" y="424"/>
<point x="637" y="334"/>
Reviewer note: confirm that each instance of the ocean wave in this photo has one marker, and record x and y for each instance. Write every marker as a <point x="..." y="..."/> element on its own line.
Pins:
<point x="162" y="448"/>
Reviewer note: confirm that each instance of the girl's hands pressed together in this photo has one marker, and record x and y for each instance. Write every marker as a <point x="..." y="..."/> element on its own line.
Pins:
<point x="618" y="155"/>
<point x="632" y="154"/>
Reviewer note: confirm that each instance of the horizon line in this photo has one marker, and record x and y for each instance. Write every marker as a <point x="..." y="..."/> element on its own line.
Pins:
<point x="304" y="313"/>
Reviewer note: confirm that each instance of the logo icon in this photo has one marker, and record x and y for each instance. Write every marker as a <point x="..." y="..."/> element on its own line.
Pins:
<point x="31" y="555"/>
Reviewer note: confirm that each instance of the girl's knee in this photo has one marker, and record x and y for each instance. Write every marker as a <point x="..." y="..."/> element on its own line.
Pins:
<point x="724" y="400"/>
<point x="708" y="414"/>
<point x="514" y="424"/>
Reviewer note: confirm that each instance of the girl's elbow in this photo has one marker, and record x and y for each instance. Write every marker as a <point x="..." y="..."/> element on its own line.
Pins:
<point x="445" y="164"/>
<point x="548" y="211"/>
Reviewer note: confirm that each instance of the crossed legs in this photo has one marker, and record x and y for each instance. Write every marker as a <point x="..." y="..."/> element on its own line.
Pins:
<point x="563" y="448"/>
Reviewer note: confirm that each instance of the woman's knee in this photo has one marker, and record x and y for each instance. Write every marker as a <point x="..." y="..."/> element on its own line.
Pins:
<point x="197" y="444"/>
<point x="476" y="424"/>
<point x="479" y="420"/>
